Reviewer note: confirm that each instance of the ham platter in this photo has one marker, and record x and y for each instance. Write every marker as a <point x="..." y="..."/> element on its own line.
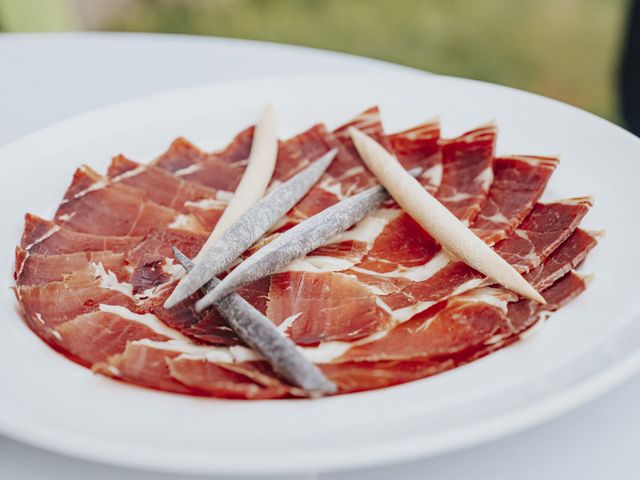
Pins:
<point x="379" y="304"/>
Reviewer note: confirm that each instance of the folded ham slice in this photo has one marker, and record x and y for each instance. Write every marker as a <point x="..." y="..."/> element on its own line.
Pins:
<point x="48" y="238"/>
<point x="221" y="170"/>
<point x="467" y="163"/>
<point x="163" y="188"/>
<point x="93" y="204"/>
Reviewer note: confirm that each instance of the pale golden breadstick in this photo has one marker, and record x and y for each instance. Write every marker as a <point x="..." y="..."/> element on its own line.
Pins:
<point x="256" y="178"/>
<point x="434" y="217"/>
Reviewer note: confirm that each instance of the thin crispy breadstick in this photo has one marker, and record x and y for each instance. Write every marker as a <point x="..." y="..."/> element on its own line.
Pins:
<point x="256" y="178"/>
<point x="434" y="217"/>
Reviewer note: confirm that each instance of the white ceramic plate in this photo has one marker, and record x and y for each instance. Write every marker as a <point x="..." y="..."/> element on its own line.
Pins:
<point x="585" y="349"/>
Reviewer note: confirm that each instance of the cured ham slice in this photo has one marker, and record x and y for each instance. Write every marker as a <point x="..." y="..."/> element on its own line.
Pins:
<point x="183" y="154"/>
<point x="78" y="293"/>
<point x="402" y="244"/>
<point x="214" y="173"/>
<point x="467" y="172"/>
<point x="524" y="314"/>
<point x="556" y="277"/>
<point x="43" y="237"/>
<point x="518" y="182"/>
<point x="152" y="259"/>
<point x="221" y="171"/>
<point x="566" y="257"/>
<point x="229" y="380"/>
<point x="206" y="328"/>
<point x="53" y="289"/>
<point x="94" y="205"/>
<point x="36" y="269"/>
<point x="145" y="366"/>
<point x="542" y="231"/>
<point x="85" y="282"/>
<point x="171" y="191"/>
<point x="164" y="366"/>
<point x="419" y="147"/>
<point x="299" y="151"/>
<point x="353" y="377"/>
<point x="44" y="307"/>
<point x="81" y="306"/>
<point x="348" y="170"/>
<point x="462" y="323"/>
<point x="346" y="308"/>
<point x="95" y="336"/>
<point x="142" y="274"/>
<point x="368" y="122"/>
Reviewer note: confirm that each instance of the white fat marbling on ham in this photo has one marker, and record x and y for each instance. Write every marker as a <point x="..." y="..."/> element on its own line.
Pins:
<point x="207" y="204"/>
<point x="419" y="273"/>
<point x="109" y="281"/>
<point x="365" y="231"/>
<point x="129" y="173"/>
<point x="496" y="297"/>
<point x="54" y="228"/>
<point x="433" y="175"/>
<point x="323" y="353"/>
<point x="485" y="178"/>
<point x="317" y="264"/>
<point x="175" y="273"/>
<point x="97" y="185"/>
<point x="184" y="222"/>
<point x="66" y="217"/>
<point x="147" y="319"/>
<point x="284" y="326"/>
<point x="368" y="229"/>
<point x="405" y="314"/>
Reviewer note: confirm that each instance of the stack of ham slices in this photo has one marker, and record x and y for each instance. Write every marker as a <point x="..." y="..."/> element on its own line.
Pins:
<point x="381" y="304"/>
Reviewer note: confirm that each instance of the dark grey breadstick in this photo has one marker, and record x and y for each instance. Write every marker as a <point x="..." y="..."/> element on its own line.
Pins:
<point x="300" y="240"/>
<point x="249" y="228"/>
<point x="260" y="333"/>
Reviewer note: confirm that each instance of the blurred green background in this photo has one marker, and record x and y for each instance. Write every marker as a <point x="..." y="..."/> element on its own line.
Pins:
<point x="565" y="49"/>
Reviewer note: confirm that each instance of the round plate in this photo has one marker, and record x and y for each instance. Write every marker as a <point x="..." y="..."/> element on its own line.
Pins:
<point x="582" y="351"/>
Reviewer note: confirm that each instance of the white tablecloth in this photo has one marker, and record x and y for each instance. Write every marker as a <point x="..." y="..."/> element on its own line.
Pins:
<point x="45" y="78"/>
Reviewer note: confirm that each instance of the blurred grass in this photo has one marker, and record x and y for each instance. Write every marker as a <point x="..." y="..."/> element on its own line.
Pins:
<point x="565" y="49"/>
<point x="30" y="15"/>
